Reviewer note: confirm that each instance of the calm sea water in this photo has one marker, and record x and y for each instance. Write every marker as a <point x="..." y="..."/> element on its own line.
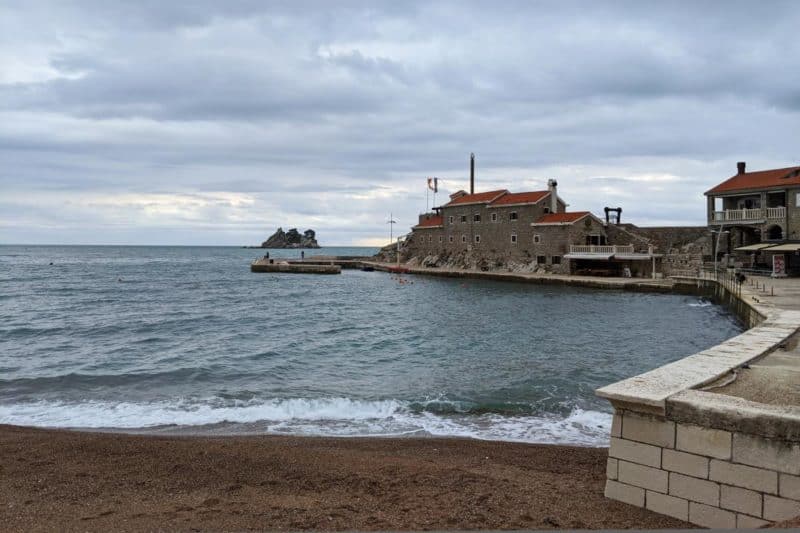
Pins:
<point x="188" y="339"/>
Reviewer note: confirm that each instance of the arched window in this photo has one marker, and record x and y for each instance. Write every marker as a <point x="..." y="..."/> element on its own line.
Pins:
<point x="775" y="233"/>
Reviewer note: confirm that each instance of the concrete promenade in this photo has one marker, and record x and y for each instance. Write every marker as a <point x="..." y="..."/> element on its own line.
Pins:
<point x="635" y="284"/>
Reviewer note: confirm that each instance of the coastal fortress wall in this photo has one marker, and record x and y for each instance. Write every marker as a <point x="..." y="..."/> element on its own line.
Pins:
<point x="542" y="248"/>
<point x="680" y="448"/>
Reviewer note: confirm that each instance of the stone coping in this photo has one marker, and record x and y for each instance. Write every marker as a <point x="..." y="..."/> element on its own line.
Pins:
<point x="730" y="413"/>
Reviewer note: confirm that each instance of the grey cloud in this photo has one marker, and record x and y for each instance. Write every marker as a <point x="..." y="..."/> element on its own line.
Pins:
<point x="303" y="106"/>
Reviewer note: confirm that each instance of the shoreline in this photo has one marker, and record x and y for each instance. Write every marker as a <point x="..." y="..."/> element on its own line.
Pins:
<point x="77" y="480"/>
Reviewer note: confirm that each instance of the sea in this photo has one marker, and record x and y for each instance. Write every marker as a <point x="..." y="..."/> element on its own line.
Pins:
<point x="186" y="340"/>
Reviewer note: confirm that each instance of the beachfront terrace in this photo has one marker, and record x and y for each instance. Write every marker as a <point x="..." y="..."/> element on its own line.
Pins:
<point x="748" y="216"/>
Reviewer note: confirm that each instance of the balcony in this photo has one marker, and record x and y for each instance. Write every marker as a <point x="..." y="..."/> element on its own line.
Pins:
<point x="748" y="216"/>
<point x="595" y="249"/>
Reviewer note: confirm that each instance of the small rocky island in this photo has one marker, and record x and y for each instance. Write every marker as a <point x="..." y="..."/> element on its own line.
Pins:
<point x="292" y="239"/>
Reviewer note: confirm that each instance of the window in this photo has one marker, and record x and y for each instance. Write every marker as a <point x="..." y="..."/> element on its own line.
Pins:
<point x="430" y="238"/>
<point x="476" y="218"/>
<point x="494" y="215"/>
<point x="513" y="215"/>
<point x="450" y="238"/>
<point x="441" y="238"/>
<point x="556" y="259"/>
<point x="450" y="219"/>
<point x="513" y="238"/>
<point x="463" y="238"/>
<point x="540" y="259"/>
<point x="546" y="210"/>
<point x="463" y="218"/>
<point x="537" y="239"/>
<point x="477" y="239"/>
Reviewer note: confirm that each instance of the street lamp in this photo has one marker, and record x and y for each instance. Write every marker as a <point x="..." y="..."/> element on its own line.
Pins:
<point x="719" y="233"/>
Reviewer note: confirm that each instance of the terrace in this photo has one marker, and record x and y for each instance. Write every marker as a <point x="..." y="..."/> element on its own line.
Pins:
<point x="748" y="216"/>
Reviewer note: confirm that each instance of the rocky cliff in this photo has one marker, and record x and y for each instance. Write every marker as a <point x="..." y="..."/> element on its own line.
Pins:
<point x="291" y="239"/>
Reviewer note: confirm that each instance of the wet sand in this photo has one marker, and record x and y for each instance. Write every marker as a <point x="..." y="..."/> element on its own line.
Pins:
<point x="68" y="481"/>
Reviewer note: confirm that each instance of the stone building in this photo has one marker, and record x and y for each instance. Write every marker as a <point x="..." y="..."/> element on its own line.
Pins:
<point x="756" y="216"/>
<point x="499" y="228"/>
<point x="534" y="231"/>
<point x="527" y="231"/>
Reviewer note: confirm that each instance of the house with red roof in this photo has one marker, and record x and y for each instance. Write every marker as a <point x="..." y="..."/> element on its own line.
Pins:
<point x="757" y="213"/>
<point x="528" y="230"/>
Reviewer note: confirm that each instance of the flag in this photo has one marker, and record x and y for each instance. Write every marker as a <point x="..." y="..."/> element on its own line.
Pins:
<point x="433" y="184"/>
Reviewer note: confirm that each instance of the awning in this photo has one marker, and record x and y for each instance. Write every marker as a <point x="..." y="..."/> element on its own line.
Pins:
<point x="636" y="257"/>
<point x="793" y="247"/>
<point x="596" y="257"/>
<point x="753" y="247"/>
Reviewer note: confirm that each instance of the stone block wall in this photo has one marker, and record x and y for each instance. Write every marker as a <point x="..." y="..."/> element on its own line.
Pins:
<point x="709" y="477"/>
<point x="793" y="215"/>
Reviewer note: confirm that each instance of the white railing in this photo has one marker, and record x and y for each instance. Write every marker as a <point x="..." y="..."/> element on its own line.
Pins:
<point x="776" y="212"/>
<point x="734" y="215"/>
<point x="600" y="249"/>
<point x="748" y="215"/>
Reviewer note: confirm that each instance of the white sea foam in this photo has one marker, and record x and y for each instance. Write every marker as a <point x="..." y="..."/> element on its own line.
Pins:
<point x="325" y="416"/>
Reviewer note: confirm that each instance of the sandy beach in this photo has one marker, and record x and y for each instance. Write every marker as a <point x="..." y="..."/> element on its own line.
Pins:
<point x="95" y="482"/>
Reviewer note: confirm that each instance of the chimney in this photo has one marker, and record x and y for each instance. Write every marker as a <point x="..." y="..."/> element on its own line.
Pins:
<point x="472" y="173"/>
<point x="552" y="186"/>
<point x="740" y="167"/>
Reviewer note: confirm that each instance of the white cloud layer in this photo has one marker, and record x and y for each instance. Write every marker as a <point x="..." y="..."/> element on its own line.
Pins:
<point x="216" y="122"/>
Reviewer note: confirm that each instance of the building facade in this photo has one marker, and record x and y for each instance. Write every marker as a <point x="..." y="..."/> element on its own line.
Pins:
<point x="756" y="215"/>
<point x="501" y="227"/>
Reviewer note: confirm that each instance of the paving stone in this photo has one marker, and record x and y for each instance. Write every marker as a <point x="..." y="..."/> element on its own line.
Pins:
<point x="650" y="430"/>
<point x="748" y="477"/>
<point x="685" y="463"/>
<point x="742" y="500"/>
<point x="635" y="452"/>
<point x="780" y="508"/>
<point x="703" y="441"/>
<point x="766" y="453"/>
<point x="696" y="490"/>
<point x="789" y="486"/>
<point x="749" y="522"/>
<point x="624" y="493"/>
<point x="668" y="505"/>
<point x="711" y="517"/>
<point x="643" y="476"/>
<point x="616" y="425"/>
<point x="612" y="468"/>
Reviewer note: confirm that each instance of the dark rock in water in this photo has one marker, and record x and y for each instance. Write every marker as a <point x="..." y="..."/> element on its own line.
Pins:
<point x="291" y="239"/>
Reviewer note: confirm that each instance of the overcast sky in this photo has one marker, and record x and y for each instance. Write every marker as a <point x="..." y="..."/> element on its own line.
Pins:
<point x="209" y="122"/>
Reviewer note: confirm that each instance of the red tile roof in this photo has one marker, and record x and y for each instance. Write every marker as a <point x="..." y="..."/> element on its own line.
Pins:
<point x="520" y="198"/>
<point x="477" y="198"/>
<point x="762" y="179"/>
<point x="431" y="222"/>
<point x="562" y="218"/>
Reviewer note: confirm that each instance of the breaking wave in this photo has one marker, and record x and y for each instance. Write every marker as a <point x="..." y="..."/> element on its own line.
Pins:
<point x="341" y="417"/>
